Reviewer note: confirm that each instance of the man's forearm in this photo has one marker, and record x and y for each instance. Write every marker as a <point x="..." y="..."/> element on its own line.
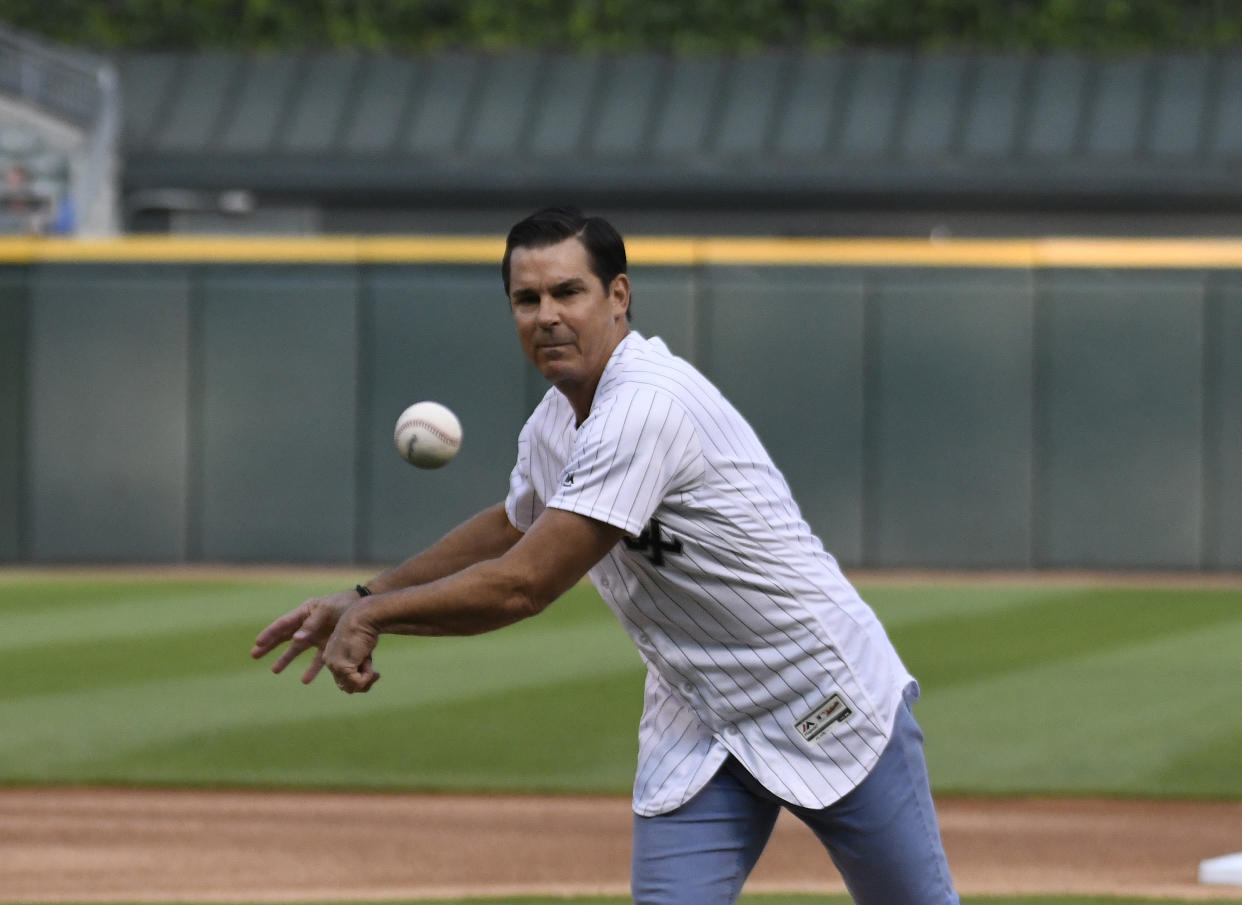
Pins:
<point x="479" y="598"/>
<point x="548" y="560"/>
<point x="483" y="536"/>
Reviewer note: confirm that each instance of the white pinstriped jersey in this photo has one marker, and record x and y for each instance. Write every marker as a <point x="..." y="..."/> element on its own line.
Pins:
<point x="754" y="641"/>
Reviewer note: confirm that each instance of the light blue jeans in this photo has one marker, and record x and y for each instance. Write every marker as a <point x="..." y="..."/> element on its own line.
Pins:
<point x="882" y="836"/>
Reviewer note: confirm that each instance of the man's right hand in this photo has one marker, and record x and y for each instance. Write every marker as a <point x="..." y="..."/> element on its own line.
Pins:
<point x="309" y="625"/>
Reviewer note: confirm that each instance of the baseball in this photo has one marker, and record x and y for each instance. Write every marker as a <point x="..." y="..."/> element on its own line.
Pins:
<point x="428" y="435"/>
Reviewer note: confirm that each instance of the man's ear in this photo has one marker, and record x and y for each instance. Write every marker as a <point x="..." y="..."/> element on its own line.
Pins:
<point x="619" y="294"/>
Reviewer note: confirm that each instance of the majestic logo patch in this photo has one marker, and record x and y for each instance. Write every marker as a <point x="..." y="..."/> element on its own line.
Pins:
<point x="823" y="717"/>
<point x="568" y="480"/>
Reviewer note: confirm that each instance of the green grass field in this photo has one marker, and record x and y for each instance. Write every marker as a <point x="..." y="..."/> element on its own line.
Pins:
<point x="1048" y="689"/>
<point x="1063" y="690"/>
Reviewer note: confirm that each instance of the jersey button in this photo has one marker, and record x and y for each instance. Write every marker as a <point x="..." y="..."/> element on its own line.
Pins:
<point x="688" y="687"/>
<point x="643" y="639"/>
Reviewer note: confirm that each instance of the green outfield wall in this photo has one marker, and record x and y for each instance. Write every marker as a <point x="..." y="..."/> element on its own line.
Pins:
<point x="1047" y="403"/>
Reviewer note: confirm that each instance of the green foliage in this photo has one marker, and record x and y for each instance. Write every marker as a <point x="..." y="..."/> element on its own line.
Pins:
<point x="587" y="25"/>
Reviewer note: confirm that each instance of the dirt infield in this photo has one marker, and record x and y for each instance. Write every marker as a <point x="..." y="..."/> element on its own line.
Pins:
<point x="99" y="845"/>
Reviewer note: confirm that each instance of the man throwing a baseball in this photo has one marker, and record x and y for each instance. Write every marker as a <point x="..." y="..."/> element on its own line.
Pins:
<point x="770" y="683"/>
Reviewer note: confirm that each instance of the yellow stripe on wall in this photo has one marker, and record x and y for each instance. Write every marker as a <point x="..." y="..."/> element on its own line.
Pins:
<point x="1156" y="253"/>
<point x="868" y="252"/>
<point x="643" y="250"/>
<point x="273" y="250"/>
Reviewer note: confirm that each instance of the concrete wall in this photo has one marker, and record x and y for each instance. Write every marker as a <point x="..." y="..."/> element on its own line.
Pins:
<point x="925" y="416"/>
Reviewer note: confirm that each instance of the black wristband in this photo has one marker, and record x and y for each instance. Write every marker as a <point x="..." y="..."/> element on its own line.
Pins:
<point x="363" y="590"/>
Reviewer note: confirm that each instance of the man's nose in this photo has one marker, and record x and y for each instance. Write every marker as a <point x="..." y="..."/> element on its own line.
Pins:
<point x="549" y="311"/>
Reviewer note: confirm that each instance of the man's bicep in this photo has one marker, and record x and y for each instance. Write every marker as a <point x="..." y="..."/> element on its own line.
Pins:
<point x="558" y="550"/>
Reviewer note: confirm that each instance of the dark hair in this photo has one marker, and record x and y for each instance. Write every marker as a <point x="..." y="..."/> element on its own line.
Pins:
<point x="604" y="246"/>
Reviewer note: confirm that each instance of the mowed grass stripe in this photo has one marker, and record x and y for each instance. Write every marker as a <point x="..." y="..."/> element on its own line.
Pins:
<point x="1028" y="689"/>
<point x="527" y="739"/>
<point x="1112" y="723"/>
<point x="94" y="666"/>
<point x="902" y="605"/>
<point x="968" y="647"/>
<point x="119" y="613"/>
<point x="133" y="710"/>
<point x="129" y="634"/>
<point x="22" y="594"/>
<point x="1205" y="766"/>
<point x="133" y="706"/>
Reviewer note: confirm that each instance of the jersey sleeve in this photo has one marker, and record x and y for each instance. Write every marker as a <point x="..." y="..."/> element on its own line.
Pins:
<point x="522" y="503"/>
<point x="628" y="457"/>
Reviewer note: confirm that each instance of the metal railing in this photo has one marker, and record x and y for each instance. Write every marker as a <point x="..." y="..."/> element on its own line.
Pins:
<point x="82" y="91"/>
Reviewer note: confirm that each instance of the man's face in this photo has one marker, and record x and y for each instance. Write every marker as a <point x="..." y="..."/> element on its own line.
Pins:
<point x="567" y="321"/>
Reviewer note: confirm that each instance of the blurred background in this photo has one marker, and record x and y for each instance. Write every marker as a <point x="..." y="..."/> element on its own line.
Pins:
<point x="784" y="117"/>
<point x="221" y="399"/>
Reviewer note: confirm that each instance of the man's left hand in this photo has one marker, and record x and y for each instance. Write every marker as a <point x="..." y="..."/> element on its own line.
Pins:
<point x="348" y="653"/>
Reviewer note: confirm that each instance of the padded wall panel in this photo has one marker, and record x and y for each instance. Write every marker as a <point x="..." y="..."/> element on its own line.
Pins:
<point x="13" y="283"/>
<point x="949" y="454"/>
<point x="786" y="348"/>
<point x="108" y="430"/>
<point x="1119" y="424"/>
<point x="276" y="414"/>
<point x="664" y="304"/>
<point x="445" y="334"/>
<point x="1223" y="435"/>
